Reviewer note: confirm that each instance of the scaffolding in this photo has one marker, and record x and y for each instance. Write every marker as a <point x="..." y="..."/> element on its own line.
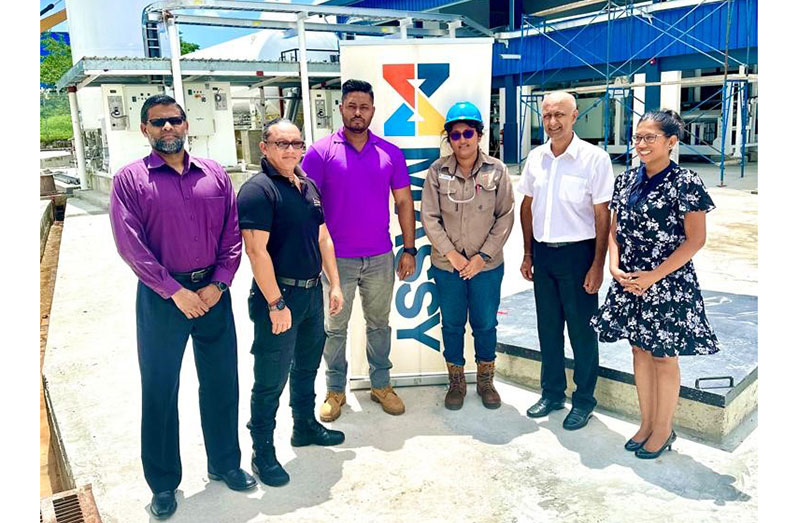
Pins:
<point x="731" y="105"/>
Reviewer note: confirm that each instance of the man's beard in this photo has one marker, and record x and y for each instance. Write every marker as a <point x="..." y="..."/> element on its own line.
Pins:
<point x="168" y="146"/>
<point x="357" y="130"/>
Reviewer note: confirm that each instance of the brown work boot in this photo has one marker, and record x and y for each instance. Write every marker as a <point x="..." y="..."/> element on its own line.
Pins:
<point x="485" y="388"/>
<point x="389" y="400"/>
<point x="457" y="387"/>
<point x="331" y="408"/>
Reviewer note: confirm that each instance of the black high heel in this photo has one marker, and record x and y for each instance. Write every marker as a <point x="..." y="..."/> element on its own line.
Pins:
<point x="633" y="445"/>
<point x="642" y="453"/>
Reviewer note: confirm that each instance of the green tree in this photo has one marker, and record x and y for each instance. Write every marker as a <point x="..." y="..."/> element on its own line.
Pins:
<point x="59" y="61"/>
<point x="187" y="47"/>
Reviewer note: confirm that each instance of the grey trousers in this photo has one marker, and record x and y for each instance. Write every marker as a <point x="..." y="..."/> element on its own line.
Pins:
<point x="374" y="277"/>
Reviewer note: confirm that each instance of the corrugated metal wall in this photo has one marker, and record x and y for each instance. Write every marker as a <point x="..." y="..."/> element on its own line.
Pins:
<point x="634" y="38"/>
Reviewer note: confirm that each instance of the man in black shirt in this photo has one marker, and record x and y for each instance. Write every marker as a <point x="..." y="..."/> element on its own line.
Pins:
<point x="287" y="242"/>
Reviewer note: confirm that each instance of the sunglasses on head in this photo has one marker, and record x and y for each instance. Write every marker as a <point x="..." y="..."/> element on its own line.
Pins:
<point x="467" y="134"/>
<point x="160" y="122"/>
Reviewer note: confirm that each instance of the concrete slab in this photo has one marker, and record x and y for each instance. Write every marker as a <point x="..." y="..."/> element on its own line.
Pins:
<point x="428" y="464"/>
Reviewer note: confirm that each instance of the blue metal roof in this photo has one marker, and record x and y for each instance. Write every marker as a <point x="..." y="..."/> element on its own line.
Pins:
<point x="634" y="40"/>
<point x="402" y="5"/>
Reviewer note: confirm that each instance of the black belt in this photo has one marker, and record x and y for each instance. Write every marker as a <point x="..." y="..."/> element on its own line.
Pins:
<point x="557" y="245"/>
<point x="305" y="284"/>
<point x="193" y="276"/>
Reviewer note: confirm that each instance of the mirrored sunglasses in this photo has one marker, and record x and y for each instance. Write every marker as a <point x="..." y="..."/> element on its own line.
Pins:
<point x="467" y="134"/>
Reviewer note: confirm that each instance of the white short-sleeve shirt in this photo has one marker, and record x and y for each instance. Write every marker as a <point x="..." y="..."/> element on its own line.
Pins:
<point x="564" y="190"/>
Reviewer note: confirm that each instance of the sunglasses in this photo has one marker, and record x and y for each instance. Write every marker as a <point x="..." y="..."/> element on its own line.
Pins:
<point x="173" y="121"/>
<point x="467" y="134"/>
<point x="297" y="145"/>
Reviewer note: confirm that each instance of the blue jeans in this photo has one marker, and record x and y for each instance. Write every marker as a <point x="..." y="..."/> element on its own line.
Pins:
<point x="374" y="276"/>
<point x="477" y="299"/>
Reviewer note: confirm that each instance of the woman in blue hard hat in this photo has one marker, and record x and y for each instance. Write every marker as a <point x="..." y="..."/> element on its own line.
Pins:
<point x="467" y="212"/>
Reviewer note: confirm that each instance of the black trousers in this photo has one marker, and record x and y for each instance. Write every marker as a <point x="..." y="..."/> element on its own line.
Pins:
<point x="296" y="352"/>
<point x="162" y="332"/>
<point x="561" y="300"/>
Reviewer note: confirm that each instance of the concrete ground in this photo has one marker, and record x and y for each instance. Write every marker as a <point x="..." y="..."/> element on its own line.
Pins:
<point x="429" y="464"/>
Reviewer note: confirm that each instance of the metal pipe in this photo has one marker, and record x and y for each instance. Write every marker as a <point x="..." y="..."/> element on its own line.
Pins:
<point x="174" y="48"/>
<point x="303" y="77"/>
<point x="77" y="133"/>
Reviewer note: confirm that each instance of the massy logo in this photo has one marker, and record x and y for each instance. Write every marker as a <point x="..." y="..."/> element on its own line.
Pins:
<point x="415" y="83"/>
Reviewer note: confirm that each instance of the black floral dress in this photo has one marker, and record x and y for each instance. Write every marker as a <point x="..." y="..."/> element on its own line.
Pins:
<point x="669" y="318"/>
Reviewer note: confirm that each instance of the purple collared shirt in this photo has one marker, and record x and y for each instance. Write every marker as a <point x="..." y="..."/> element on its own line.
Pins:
<point x="355" y="191"/>
<point x="164" y="222"/>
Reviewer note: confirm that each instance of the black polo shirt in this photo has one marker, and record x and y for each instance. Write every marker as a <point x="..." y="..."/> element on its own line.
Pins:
<point x="269" y="202"/>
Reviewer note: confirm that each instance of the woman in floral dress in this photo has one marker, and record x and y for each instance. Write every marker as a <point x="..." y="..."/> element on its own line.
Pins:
<point x="659" y="223"/>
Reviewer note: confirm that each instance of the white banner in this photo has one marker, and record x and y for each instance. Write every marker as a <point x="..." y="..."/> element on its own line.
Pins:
<point x="415" y="83"/>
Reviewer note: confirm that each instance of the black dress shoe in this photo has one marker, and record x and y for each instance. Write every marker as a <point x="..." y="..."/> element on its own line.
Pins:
<point x="311" y="432"/>
<point x="163" y="504"/>
<point x="235" y="479"/>
<point x="543" y="407"/>
<point x="633" y="445"/>
<point x="642" y="453"/>
<point x="576" y="419"/>
<point x="268" y="469"/>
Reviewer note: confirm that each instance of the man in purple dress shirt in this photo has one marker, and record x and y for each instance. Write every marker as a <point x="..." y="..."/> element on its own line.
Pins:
<point x="175" y="223"/>
<point x="356" y="172"/>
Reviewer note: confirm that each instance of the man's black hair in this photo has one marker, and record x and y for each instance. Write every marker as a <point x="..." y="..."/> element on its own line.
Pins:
<point x="158" y="99"/>
<point x="356" y="86"/>
<point x="271" y="123"/>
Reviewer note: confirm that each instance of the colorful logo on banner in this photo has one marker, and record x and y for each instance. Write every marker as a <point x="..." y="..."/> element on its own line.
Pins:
<point x="415" y="83"/>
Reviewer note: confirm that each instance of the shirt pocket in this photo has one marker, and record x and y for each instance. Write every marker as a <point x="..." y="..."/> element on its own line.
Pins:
<point x="573" y="188"/>
<point x="447" y="192"/>
<point x="486" y="191"/>
<point x="213" y="211"/>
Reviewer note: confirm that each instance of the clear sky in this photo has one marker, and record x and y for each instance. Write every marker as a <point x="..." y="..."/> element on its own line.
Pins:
<point x="204" y="36"/>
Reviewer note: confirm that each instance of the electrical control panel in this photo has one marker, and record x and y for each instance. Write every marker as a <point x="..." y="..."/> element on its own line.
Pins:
<point x="200" y="104"/>
<point x="135" y="95"/>
<point x="116" y="110"/>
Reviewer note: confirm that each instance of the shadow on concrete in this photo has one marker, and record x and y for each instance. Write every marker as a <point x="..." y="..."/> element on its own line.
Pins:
<point x="426" y="416"/>
<point x="599" y="447"/>
<point x="325" y="466"/>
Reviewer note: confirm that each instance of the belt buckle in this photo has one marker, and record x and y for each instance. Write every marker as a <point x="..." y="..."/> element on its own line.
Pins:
<point x="308" y="284"/>
<point x="197" y="276"/>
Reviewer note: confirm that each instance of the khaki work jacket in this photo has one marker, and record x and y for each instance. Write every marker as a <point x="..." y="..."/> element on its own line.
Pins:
<point x="470" y="215"/>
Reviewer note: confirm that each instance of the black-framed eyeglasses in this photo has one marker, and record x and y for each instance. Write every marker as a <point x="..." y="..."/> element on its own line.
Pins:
<point x="173" y="121"/>
<point x="648" y="138"/>
<point x="283" y="145"/>
<point x="456" y="135"/>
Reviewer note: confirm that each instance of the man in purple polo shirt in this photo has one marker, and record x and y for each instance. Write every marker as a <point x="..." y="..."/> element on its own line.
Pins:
<point x="356" y="171"/>
<point x="175" y="223"/>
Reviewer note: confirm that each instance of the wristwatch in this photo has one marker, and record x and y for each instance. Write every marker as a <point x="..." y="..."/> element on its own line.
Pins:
<point x="412" y="251"/>
<point x="220" y="285"/>
<point x="277" y="305"/>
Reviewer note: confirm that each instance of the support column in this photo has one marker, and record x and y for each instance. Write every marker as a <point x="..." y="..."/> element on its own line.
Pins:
<point x="511" y="119"/>
<point x="303" y="77"/>
<point x="526" y="132"/>
<point x="738" y="138"/>
<point x="77" y="133"/>
<point x="671" y="98"/>
<point x="653" y="91"/>
<point x="174" y="48"/>
<point x="639" y="107"/>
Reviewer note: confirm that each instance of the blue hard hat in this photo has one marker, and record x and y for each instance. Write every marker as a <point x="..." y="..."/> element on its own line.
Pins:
<point x="463" y="111"/>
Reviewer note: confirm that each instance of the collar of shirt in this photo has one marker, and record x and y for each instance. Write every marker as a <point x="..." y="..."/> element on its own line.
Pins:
<point x="154" y="161"/>
<point x="451" y="163"/>
<point x="271" y="172"/>
<point x="340" y="137"/>
<point x="572" y="150"/>
<point x="643" y="185"/>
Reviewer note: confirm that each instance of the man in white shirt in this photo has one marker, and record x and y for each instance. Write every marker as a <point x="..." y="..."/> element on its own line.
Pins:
<point x="567" y="185"/>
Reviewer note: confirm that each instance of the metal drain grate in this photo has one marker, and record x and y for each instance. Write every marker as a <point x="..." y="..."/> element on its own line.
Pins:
<point x="72" y="506"/>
